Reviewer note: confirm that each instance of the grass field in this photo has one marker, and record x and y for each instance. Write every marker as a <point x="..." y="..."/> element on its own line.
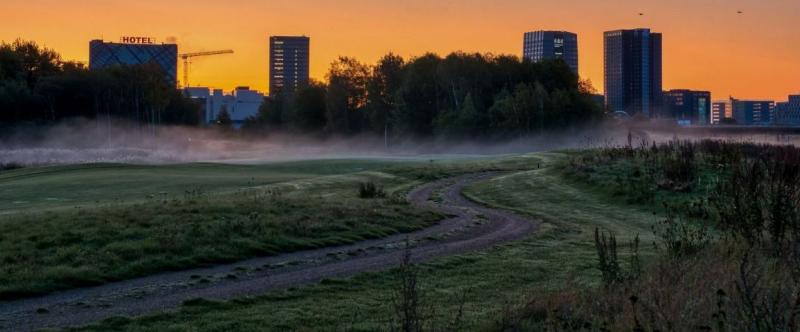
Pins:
<point x="38" y="188"/>
<point x="560" y="254"/>
<point x="73" y="226"/>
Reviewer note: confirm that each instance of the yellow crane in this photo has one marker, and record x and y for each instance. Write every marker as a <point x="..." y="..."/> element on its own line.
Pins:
<point x="187" y="56"/>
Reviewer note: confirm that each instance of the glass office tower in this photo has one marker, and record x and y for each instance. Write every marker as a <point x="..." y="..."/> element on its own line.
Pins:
<point x="633" y="72"/>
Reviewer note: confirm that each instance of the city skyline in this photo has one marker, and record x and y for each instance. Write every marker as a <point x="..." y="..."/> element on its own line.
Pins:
<point x="719" y="59"/>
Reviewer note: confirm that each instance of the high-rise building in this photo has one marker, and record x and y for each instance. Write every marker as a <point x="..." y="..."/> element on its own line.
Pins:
<point x="788" y="113"/>
<point x="752" y="112"/>
<point x="633" y="72"/>
<point x="288" y="64"/>
<point x="135" y="51"/>
<point x="544" y="45"/>
<point x="688" y="107"/>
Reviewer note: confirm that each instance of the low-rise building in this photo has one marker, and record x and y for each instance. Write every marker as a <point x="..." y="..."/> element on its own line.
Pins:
<point x="688" y="107"/>
<point x="753" y="112"/>
<point x="788" y="113"/>
<point x="241" y="104"/>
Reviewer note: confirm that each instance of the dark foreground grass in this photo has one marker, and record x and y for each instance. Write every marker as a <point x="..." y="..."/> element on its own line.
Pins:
<point x="67" y="186"/>
<point x="131" y="221"/>
<point x="491" y="282"/>
<point x="55" y="250"/>
<point x="550" y="281"/>
<point x="735" y="266"/>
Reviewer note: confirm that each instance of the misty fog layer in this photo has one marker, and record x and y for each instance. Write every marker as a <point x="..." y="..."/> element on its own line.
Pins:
<point x="96" y="142"/>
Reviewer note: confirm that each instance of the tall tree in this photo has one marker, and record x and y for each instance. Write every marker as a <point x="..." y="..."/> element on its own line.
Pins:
<point x="465" y="122"/>
<point x="273" y="112"/>
<point x="308" y="108"/>
<point x="224" y="118"/>
<point x="347" y="95"/>
<point x="418" y="96"/>
<point x="381" y="92"/>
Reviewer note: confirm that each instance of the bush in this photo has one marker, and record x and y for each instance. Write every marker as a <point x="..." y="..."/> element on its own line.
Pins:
<point x="679" y="167"/>
<point x="680" y="237"/>
<point x="760" y="199"/>
<point x="370" y="190"/>
<point x="746" y="279"/>
<point x="9" y="166"/>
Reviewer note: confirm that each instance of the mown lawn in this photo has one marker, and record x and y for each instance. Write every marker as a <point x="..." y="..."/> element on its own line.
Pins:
<point x="36" y="188"/>
<point x="561" y="253"/>
<point x="197" y="215"/>
<point x="209" y="214"/>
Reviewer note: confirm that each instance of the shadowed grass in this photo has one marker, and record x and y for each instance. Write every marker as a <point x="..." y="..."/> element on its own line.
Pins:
<point x="89" y="185"/>
<point x="560" y="253"/>
<point x="196" y="214"/>
<point x="58" y="250"/>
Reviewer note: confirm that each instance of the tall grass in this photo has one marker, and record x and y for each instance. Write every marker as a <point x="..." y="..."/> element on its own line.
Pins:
<point x="412" y="308"/>
<point x="730" y="263"/>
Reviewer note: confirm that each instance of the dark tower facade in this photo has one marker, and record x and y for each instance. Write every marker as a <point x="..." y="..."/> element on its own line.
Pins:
<point x="288" y="64"/>
<point x="104" y="54"/>
<point x="633" y="72"/>
<point x="543" y="45"/>
<point x="688" y="107"/>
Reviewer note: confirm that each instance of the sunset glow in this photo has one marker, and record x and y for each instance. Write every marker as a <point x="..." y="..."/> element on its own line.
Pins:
<point x="708" y="45"/>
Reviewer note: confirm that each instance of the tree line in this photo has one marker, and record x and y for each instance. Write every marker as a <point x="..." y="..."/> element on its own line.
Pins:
<point x="37" y="87"/>
<point x="460" y="95"/>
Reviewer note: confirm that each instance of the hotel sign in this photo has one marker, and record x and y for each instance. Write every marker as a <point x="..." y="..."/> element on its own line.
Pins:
<point x="137" y="40"/>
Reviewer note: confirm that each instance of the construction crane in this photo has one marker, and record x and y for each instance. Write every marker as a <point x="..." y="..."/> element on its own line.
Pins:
<point x="187" y="56"/>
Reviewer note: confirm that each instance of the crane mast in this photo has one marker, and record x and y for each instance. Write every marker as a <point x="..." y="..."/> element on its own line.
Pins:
<point x="186" y="57"/>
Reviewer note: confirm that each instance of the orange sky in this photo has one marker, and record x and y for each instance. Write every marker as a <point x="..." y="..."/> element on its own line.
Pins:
<point x="707" y="45"/>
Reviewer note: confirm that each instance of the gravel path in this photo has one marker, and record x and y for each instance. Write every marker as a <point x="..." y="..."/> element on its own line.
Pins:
<point x="471" y="227"/>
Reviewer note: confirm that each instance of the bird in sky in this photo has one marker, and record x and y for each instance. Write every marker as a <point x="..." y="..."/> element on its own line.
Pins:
<point x="641" y="14"/>
<point x="740" y="12"/>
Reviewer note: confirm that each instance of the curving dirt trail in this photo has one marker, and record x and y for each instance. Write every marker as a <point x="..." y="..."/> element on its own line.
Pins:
<point x="471" y="227"/>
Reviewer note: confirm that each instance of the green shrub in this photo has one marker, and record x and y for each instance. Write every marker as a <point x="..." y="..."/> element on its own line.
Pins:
<point x="370" y="190"/>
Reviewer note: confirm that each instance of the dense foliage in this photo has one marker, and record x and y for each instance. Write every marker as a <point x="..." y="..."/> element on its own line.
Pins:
<point x="37" y="86"/>
<point x="460" y="95"/>
<point x="731" y="262"/>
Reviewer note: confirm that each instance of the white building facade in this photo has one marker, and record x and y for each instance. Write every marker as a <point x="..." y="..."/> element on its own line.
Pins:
<point x="241" y="104"/>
